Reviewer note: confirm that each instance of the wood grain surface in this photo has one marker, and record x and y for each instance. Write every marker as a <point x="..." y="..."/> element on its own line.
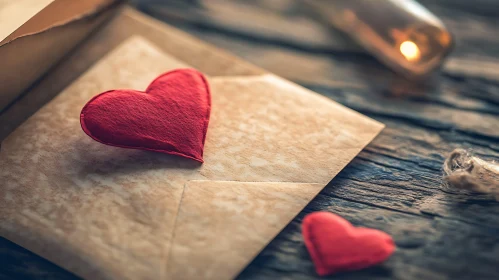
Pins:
<point x="395" y="184"/>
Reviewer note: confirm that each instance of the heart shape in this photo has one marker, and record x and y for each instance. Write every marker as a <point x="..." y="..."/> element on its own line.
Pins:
<point x="335" y="245"/>
<point x="170" y="117"/>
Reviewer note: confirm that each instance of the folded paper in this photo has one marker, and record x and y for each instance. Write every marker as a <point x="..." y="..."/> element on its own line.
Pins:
<point x="108" y="213"/>
<point x="36" y="34"/>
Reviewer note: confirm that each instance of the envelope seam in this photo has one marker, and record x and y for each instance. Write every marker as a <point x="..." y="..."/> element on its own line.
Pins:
<point x="168" y="257"/>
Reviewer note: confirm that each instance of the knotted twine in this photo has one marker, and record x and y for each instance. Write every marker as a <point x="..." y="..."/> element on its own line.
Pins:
<point x="464" y="171"/>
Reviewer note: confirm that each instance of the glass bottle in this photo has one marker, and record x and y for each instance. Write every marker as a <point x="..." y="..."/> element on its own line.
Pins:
<point x="400" y="33"/>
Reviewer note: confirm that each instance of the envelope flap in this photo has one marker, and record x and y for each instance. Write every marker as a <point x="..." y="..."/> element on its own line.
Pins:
<point x="222" y="225"/>
<point x="13" y="14"/>
<point x="28" y="52"/>
<point x="23" y="17"/>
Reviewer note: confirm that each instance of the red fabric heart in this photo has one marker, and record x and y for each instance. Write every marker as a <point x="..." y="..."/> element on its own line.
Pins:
<point x="170" y="117"/>
<point x="335" y="245"/>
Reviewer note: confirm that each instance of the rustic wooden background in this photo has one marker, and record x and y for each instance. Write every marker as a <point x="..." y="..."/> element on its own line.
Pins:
<point x="395" y="184"/>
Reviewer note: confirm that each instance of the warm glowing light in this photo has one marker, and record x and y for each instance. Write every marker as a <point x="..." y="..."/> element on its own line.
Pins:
<point x="410" y="51"/>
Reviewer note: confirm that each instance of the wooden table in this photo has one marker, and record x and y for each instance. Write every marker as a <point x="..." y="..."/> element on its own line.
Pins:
<point x="395" y="184"/>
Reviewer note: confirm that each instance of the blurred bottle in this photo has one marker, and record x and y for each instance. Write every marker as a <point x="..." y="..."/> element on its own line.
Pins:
<point x="400" y="33"/>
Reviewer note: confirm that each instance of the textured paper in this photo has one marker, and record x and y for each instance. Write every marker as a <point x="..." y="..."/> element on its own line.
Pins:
<point x="28" y="17"/>
<point x="47" y="30"/>
<point x="110" y="213"/>
<point x="13" y="14"/>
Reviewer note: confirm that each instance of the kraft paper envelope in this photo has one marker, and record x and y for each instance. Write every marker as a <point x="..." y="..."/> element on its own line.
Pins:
<point x="36" y="34"/>
<point x="110" y="213"/>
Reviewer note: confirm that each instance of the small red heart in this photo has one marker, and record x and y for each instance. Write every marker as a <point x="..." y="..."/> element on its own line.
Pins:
<point x="170" y="117"/>
<point x="335" y="245"/>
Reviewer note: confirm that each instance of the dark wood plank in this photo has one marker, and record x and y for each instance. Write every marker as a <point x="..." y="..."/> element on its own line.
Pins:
<point x="19" y="263"/>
